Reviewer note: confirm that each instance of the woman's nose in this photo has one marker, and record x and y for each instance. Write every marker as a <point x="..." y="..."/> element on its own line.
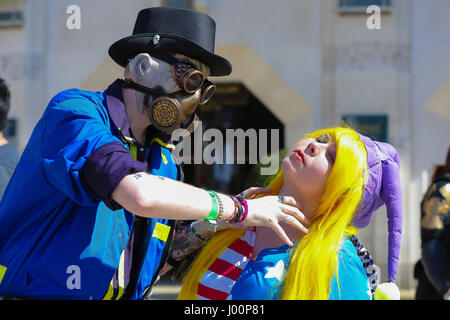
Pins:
<point x="314" y="149"/>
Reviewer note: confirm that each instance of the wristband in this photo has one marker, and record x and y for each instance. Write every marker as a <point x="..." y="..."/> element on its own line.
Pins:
<point x="214" y="210"/>
<point x="244" y="216"/>
<point x="239" y="214"/>
<point x="240" y="209"/>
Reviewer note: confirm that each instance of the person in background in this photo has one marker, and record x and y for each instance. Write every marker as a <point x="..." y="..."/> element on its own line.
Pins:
<point x="433" y="269"/>
<point x="8" y="153"/>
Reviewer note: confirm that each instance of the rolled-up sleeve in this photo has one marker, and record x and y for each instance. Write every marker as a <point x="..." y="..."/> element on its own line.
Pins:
<point x="105" y="168"/>
<point x="82" y="158"/>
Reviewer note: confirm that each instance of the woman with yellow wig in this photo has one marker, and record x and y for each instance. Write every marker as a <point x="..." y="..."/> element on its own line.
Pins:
<point x="339" y="178"/>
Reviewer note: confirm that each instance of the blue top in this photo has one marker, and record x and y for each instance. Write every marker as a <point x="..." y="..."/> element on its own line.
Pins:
<point x="60" y="235"/>
<point x="262" y="278"/>
<point x="353" y="279"/>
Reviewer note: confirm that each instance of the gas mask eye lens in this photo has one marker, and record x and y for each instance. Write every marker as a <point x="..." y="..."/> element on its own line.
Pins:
<point x="208" y="90"/>
<point x="187" y="77"/>
<point x="192" y="80"/>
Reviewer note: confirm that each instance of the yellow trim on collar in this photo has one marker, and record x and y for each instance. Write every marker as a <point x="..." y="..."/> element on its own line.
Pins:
<point x="126" y="139"/>
<point x="133" y="151"/>
<point x="163" y="157"/>
<point x="165" y="145"/>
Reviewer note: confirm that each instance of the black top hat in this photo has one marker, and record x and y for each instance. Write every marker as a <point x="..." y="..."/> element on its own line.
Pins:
<point x="184" y="31"/>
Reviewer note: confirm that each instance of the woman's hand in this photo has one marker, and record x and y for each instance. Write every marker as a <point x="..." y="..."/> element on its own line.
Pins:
<point x="270" y="210"/>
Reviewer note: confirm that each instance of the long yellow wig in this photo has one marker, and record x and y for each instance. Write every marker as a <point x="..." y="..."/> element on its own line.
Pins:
<point x="314" y="260"/>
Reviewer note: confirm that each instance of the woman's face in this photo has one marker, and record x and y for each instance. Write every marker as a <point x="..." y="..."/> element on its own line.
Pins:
<point x="308" y="164"/>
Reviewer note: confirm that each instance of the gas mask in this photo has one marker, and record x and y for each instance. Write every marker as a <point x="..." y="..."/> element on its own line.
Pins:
<point x="168" y="112"/>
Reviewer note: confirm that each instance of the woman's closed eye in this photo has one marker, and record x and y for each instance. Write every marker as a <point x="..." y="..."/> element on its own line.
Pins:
<point x="324" y="138"/>
<point x="331" y="149"/>
<point x="321" y="140"/>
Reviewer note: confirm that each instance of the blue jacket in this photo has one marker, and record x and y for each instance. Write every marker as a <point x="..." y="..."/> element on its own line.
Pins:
<point x="57" y="240"/>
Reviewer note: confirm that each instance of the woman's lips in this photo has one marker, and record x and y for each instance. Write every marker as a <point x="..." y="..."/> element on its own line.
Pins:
<point x="299" y="156"/>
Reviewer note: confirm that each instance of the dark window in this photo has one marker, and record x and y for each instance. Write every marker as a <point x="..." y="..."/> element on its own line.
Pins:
<point x="363" y="3"/>
<point x="373" y="126"/>
<point x="233" y="106"/>
<point x="186" y="4"/>
<point x="13" y="17"/>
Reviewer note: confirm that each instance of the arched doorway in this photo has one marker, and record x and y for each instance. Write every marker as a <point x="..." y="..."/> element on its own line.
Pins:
<point x="234" y="107"/>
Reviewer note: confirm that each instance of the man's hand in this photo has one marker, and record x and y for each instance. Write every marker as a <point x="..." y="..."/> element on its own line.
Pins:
<point x="152" y="196"/>
<point x="269" y="211"/>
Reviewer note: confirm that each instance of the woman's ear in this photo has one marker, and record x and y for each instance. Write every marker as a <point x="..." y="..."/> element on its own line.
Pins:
<point x="141" y="66"/>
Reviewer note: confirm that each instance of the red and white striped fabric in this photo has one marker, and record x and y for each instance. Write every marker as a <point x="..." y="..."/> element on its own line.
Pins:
<point x="219" y="279"/>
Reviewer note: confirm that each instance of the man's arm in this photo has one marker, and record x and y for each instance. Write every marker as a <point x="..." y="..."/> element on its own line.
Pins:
<point x="159" y="197"/>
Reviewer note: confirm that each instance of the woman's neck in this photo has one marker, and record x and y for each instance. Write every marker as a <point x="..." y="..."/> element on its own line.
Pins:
<point x="307" y="205"/>
<point x="267" y="238"/>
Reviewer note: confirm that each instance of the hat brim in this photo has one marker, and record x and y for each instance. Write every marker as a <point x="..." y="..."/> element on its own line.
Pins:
<point x="128" y="47"/>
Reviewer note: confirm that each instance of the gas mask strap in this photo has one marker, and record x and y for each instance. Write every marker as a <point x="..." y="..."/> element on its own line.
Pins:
<point x="129" y="84"/>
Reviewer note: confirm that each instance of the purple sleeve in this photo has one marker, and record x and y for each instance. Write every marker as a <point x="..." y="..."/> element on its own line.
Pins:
<point x="105" y="167"/>
<point x="392" y="196"/>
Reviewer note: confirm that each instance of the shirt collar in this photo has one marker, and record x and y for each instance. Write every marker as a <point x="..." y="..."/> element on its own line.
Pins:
<point x="117" y="112"/>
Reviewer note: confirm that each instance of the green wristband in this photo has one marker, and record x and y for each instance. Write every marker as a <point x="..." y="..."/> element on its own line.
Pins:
<point x="214" y="210"/>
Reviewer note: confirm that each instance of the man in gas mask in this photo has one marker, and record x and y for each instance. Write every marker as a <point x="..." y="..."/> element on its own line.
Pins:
<point x="90" y="210"/>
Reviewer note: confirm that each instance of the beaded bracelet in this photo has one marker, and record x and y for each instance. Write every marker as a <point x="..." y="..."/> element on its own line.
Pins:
<point x="240" y="209"/>
<point x="236" y="208"/>
<point x="220" y="215"/>
<point x="239" y="214"/>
